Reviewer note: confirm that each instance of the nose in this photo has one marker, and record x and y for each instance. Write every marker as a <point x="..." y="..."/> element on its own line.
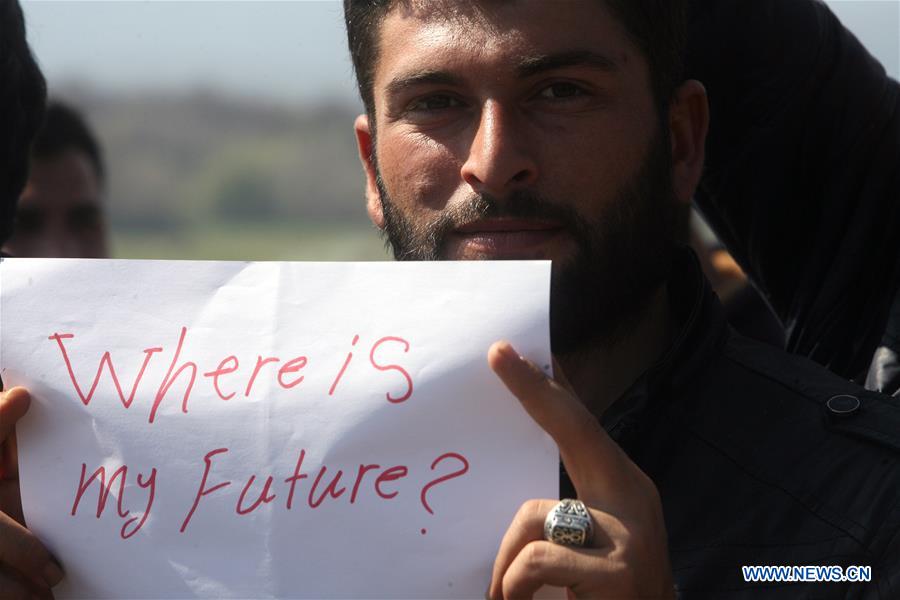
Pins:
<point x="500" y="157"/>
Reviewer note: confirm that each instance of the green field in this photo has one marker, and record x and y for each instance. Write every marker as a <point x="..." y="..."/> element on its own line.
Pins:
<point x="281" y="241"/>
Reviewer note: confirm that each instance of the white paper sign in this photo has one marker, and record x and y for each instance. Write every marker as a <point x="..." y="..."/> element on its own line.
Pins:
<point x="224" y="429"/>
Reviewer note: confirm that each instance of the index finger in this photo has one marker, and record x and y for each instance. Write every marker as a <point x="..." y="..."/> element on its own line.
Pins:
<point x="594" y="462"/>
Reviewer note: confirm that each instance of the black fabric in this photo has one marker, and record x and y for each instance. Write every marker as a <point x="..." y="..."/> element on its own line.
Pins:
<point x="803" y="170"/>
<point x="748" y="313"/>
<point x="752" y="466"/>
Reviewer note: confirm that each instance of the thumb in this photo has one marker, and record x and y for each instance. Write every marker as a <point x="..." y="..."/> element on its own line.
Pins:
<point x="13" y="406"/>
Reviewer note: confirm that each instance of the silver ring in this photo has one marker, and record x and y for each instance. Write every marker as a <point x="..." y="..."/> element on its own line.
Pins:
<point x="569" y="524"/>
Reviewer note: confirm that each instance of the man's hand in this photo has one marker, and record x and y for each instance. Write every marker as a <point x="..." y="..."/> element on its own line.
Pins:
<point x="26" y="568"/>
<point x="628" y="555"/>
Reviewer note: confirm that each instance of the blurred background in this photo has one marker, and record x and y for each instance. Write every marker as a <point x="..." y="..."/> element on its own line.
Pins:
<point x="226" y="127"/>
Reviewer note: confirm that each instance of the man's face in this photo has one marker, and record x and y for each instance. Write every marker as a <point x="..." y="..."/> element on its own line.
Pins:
<point x="60" y="212"/>
<point x="524" y="130"/>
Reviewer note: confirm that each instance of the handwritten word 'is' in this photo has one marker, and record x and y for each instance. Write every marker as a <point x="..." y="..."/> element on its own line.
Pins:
<point x="287" y="375"/>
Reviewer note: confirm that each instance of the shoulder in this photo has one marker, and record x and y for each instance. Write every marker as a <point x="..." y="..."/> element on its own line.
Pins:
<point x="825" y="445"/>
<point x="823" y="401"/>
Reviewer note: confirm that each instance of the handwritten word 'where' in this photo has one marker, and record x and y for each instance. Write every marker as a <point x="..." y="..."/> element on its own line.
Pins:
<point x="229" y="378"/>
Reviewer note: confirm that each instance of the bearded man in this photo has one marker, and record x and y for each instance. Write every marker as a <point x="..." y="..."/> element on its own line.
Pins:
<point x="527" y="129"/>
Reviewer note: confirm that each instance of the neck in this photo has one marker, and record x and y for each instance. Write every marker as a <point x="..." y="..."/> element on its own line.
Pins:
<point x="600" y="374"/>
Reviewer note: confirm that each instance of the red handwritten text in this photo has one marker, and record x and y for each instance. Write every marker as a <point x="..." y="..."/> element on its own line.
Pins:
<point x="227" y="377"/>
<point x="119" y="474"/>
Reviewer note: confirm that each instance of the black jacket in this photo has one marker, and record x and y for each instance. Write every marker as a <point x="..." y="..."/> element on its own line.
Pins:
<point x="753" y="463"/>
<point x="803" y="174"/>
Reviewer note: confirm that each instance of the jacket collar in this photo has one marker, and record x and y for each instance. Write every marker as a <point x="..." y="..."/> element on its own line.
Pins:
<point x="701" y="329"/>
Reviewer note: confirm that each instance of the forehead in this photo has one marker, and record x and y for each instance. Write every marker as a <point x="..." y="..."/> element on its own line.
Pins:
<point x="428" y="34"/>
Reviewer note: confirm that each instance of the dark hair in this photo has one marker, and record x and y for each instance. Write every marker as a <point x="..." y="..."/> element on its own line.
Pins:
<point x="65" y="129"/>
<point x="22" y="96"/>
<point x="657" y="27"/>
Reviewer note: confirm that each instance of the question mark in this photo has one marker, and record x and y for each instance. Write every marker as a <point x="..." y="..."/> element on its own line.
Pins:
<point x="465" y="468"/>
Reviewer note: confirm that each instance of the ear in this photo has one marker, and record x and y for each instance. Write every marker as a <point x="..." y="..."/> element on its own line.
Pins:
<point x="688" y="126"/>
<point x="365" y="144"/>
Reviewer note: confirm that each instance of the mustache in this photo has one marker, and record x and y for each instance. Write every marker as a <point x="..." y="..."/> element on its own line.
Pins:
<point x="521" y="204"/>
<point x="428" y="240"/>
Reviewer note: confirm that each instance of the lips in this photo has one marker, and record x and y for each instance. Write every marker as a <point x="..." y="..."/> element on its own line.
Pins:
<point x="507" y="238"/>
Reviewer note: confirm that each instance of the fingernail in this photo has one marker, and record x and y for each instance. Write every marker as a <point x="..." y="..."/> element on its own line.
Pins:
<point x="52" y="573"/>
<point x="506" y="349"/>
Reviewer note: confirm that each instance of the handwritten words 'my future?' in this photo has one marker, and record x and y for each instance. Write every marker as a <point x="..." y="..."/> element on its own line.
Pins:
<point x="228" y="379"/>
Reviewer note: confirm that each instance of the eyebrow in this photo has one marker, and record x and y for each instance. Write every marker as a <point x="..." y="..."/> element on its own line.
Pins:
<point x="527" y="67"/>
<point x="398" y="84"/>
<point x="533" y="65"/>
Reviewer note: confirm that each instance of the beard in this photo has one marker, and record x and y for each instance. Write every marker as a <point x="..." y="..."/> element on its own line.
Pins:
<point x="622" y="257"/>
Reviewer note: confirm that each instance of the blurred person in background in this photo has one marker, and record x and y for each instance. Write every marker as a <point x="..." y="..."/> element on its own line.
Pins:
<point x="60" y="212"/>
<point x="745" y="308"/>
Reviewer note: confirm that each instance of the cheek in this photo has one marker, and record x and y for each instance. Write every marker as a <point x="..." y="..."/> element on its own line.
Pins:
<point x="420" y="175"/>
<point x="618" y="143"/>
<point x="599" y="163"/>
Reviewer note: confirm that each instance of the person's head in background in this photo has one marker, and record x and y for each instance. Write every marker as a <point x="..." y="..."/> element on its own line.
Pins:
<point x="61" y="209"/>
<point x="23" y="93"/>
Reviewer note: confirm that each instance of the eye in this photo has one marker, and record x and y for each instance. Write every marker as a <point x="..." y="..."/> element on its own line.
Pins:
<point x="84" y="217"/>
<point x="561" y="91"/>
<point x="434" y="103"/>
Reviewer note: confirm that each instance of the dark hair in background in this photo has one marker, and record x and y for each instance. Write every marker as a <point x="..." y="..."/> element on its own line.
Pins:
<point x="22" y="96"/>
<point x="657" y="27"/>
<point x="65" y="129"/>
